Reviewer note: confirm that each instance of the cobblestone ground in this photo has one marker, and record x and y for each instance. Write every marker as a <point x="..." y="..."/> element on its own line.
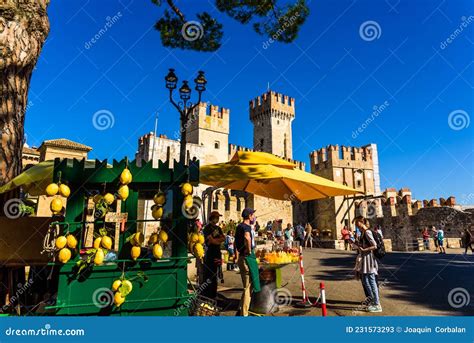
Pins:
<point x="411" y="284"/>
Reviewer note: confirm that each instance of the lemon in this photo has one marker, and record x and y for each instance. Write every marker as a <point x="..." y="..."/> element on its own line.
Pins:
<point x="71" y="241"/>
<point x="159" y="198"/>
<point x="123" y="192"/>
<point x="135" y="252"/>
<point x="194" y="238"/>
<point x="116" y="285"/>
<point x="163" y="236"/>
<point x="157" y="251"/>
<point x="119" y="299"/>
<point x="126" y="287"/>
<point x="137" y="239"/>
<point x="56" y="205"/>
<point x="97" y="198"/>
<point x="97" y="242"/>
<point x="61" y="242"/>
<point x="201" y="239"/>
<point x="99" y="257"/>
<point x="198" y="250"/>
<point x="52" y="189"/>
<point x="188" y="201"/>
<point x="157" y="212"/>
<point x="64" y="255"/>
<point x="64" y="190"/>
<point x="125" y="177"/>
<point x="187" y="188"/>
<point x="106" y="242"/>
<point x="109" y="198"/>
<point x="153" y="238"/>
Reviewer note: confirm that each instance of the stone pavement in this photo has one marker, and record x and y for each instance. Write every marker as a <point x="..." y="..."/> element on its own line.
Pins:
<point x="411" y="284"/>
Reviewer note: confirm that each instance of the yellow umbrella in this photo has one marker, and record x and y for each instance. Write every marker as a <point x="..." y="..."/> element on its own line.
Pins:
<point x="33" y="180"/>
<point x="269" y="176"/>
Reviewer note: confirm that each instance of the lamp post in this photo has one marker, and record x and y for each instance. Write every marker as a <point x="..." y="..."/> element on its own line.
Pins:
<point x="184" y="107"/>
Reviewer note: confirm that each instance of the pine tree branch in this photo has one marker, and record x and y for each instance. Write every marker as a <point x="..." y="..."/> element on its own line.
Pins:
<point x="176" y="10"/>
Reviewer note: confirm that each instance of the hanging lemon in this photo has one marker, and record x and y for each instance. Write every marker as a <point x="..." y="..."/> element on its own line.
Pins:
<point x="187" y="189"/>
<point x="109" y="198"/>
<point x="52" y="189"/>
<point x="97" y="198"/>
<point x="188" y="201"/>
<point x="97" y="242"/>
<point x="61" y="242"/>
<point x="56" y="205"/>
<point x="194" y="238"/>
<point x="137" y="239"/>
<point x="135" y="252"/>
<point x="159" y="198"/>
<point x="125" y="177"/>
<point x="106" y="242"/>
<point x="153" y="238"/>
<point x="126" y="287"/>
<point x="157" y="251"/>
<point x="157" y="212"/>
<point x="71" y="241"/>
<point x="198" y="250"/>
<point x="64" y="190"/>
<point x="123" y="192"/>
<point x="163" y="236"/>
<point x="118" y="299"/>
<point x="64" y="255"/>
<point x="116" y="285"/>
<point x="99" y="257"/>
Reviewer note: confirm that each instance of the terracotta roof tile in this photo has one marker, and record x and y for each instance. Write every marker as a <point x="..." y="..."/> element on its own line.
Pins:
<point x="66" y="143"/>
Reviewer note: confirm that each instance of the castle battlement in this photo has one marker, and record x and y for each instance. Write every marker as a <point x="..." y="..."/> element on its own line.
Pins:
<point x="333" y="155"/>
<point x="272" y="103"/>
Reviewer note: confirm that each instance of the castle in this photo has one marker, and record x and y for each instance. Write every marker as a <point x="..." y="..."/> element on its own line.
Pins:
<point x="272" y="115"/>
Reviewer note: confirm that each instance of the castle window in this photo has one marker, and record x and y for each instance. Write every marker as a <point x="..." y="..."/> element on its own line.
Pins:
<point x="261" y="144"/>
<point x="217" y="144"/>
<point x="278" y="122"/>
<point x="262" y="123"/>
<point x="359" y="183"/>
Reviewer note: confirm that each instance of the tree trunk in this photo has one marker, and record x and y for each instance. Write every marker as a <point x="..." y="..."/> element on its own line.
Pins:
<point x="24" y="26"/>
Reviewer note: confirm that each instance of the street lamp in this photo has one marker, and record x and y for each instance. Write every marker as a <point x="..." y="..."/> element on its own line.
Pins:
<point x="184" y="107"/>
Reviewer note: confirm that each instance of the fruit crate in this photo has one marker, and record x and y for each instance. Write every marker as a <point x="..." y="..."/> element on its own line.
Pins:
<point x="204" y="307"/>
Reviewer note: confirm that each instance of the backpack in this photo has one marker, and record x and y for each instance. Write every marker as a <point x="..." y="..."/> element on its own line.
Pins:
<point x="380" y="252"/>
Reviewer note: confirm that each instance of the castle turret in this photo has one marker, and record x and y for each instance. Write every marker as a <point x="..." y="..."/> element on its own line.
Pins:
<point x="271" y="115"/>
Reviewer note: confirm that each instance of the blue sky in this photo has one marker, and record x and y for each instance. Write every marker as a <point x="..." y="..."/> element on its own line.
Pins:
<point x="336" y="73"/>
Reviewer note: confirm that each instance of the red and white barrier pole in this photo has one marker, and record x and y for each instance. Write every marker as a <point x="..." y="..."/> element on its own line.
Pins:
<point x="305" y="302"/>
<point x="324" y="311"/>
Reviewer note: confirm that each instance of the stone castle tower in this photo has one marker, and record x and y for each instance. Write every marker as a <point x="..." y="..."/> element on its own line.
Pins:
<point x="271" y="115"/>
<point x="209" y="127"/>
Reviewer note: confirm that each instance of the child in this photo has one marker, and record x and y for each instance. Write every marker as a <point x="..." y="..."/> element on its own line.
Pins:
<point x="229" y="245"/>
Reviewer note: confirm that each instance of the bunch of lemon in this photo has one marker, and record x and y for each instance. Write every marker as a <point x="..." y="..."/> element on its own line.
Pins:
<point x="125" y="178"/>
<point x="55" y="189"/>
<point x="101" y="245"/>
<point x="136" y="240"/>
<point x="187" y="190"/>
<point x="196" y="244"/>
<point x="155" y="241"/>
<point x="157" y="209"/>
<point x="64" y="245"/>
<point x="121" y="288"/>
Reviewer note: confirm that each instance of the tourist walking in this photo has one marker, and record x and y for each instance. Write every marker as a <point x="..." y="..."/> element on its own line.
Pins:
<point x="243" y="248"/>
<point x="346" y="236"/>
<point x="308" y="239"/>
<point x="299" y="234"/>
<point x="468" y="241"/>
<point x="442" y="249"/>
<point x="367" y="266"/>
<point x="214" y="237"/>
<point x="229" y="245"/>
<point x="288" y="234"/>
<point x="426" y="238"/>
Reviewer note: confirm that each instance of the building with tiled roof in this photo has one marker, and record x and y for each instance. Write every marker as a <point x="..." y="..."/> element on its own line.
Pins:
<point x="62" y="148"/>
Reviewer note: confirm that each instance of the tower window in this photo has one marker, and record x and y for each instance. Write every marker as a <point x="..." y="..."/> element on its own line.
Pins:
<point x="217" y="144"/>
<point x="261" y="144"/>
<point x="359" y="183"/>
<point x="278" y="122"/>
<point x="262" y="123"/>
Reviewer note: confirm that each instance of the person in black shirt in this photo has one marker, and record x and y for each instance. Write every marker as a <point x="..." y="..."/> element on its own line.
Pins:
<point x="243" y="248"/>
<point x="212" y="259"/>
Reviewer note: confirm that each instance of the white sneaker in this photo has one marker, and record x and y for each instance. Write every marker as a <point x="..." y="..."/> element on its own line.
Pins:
<point x="237" y="270"/>
<point x="374" y="308"/>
